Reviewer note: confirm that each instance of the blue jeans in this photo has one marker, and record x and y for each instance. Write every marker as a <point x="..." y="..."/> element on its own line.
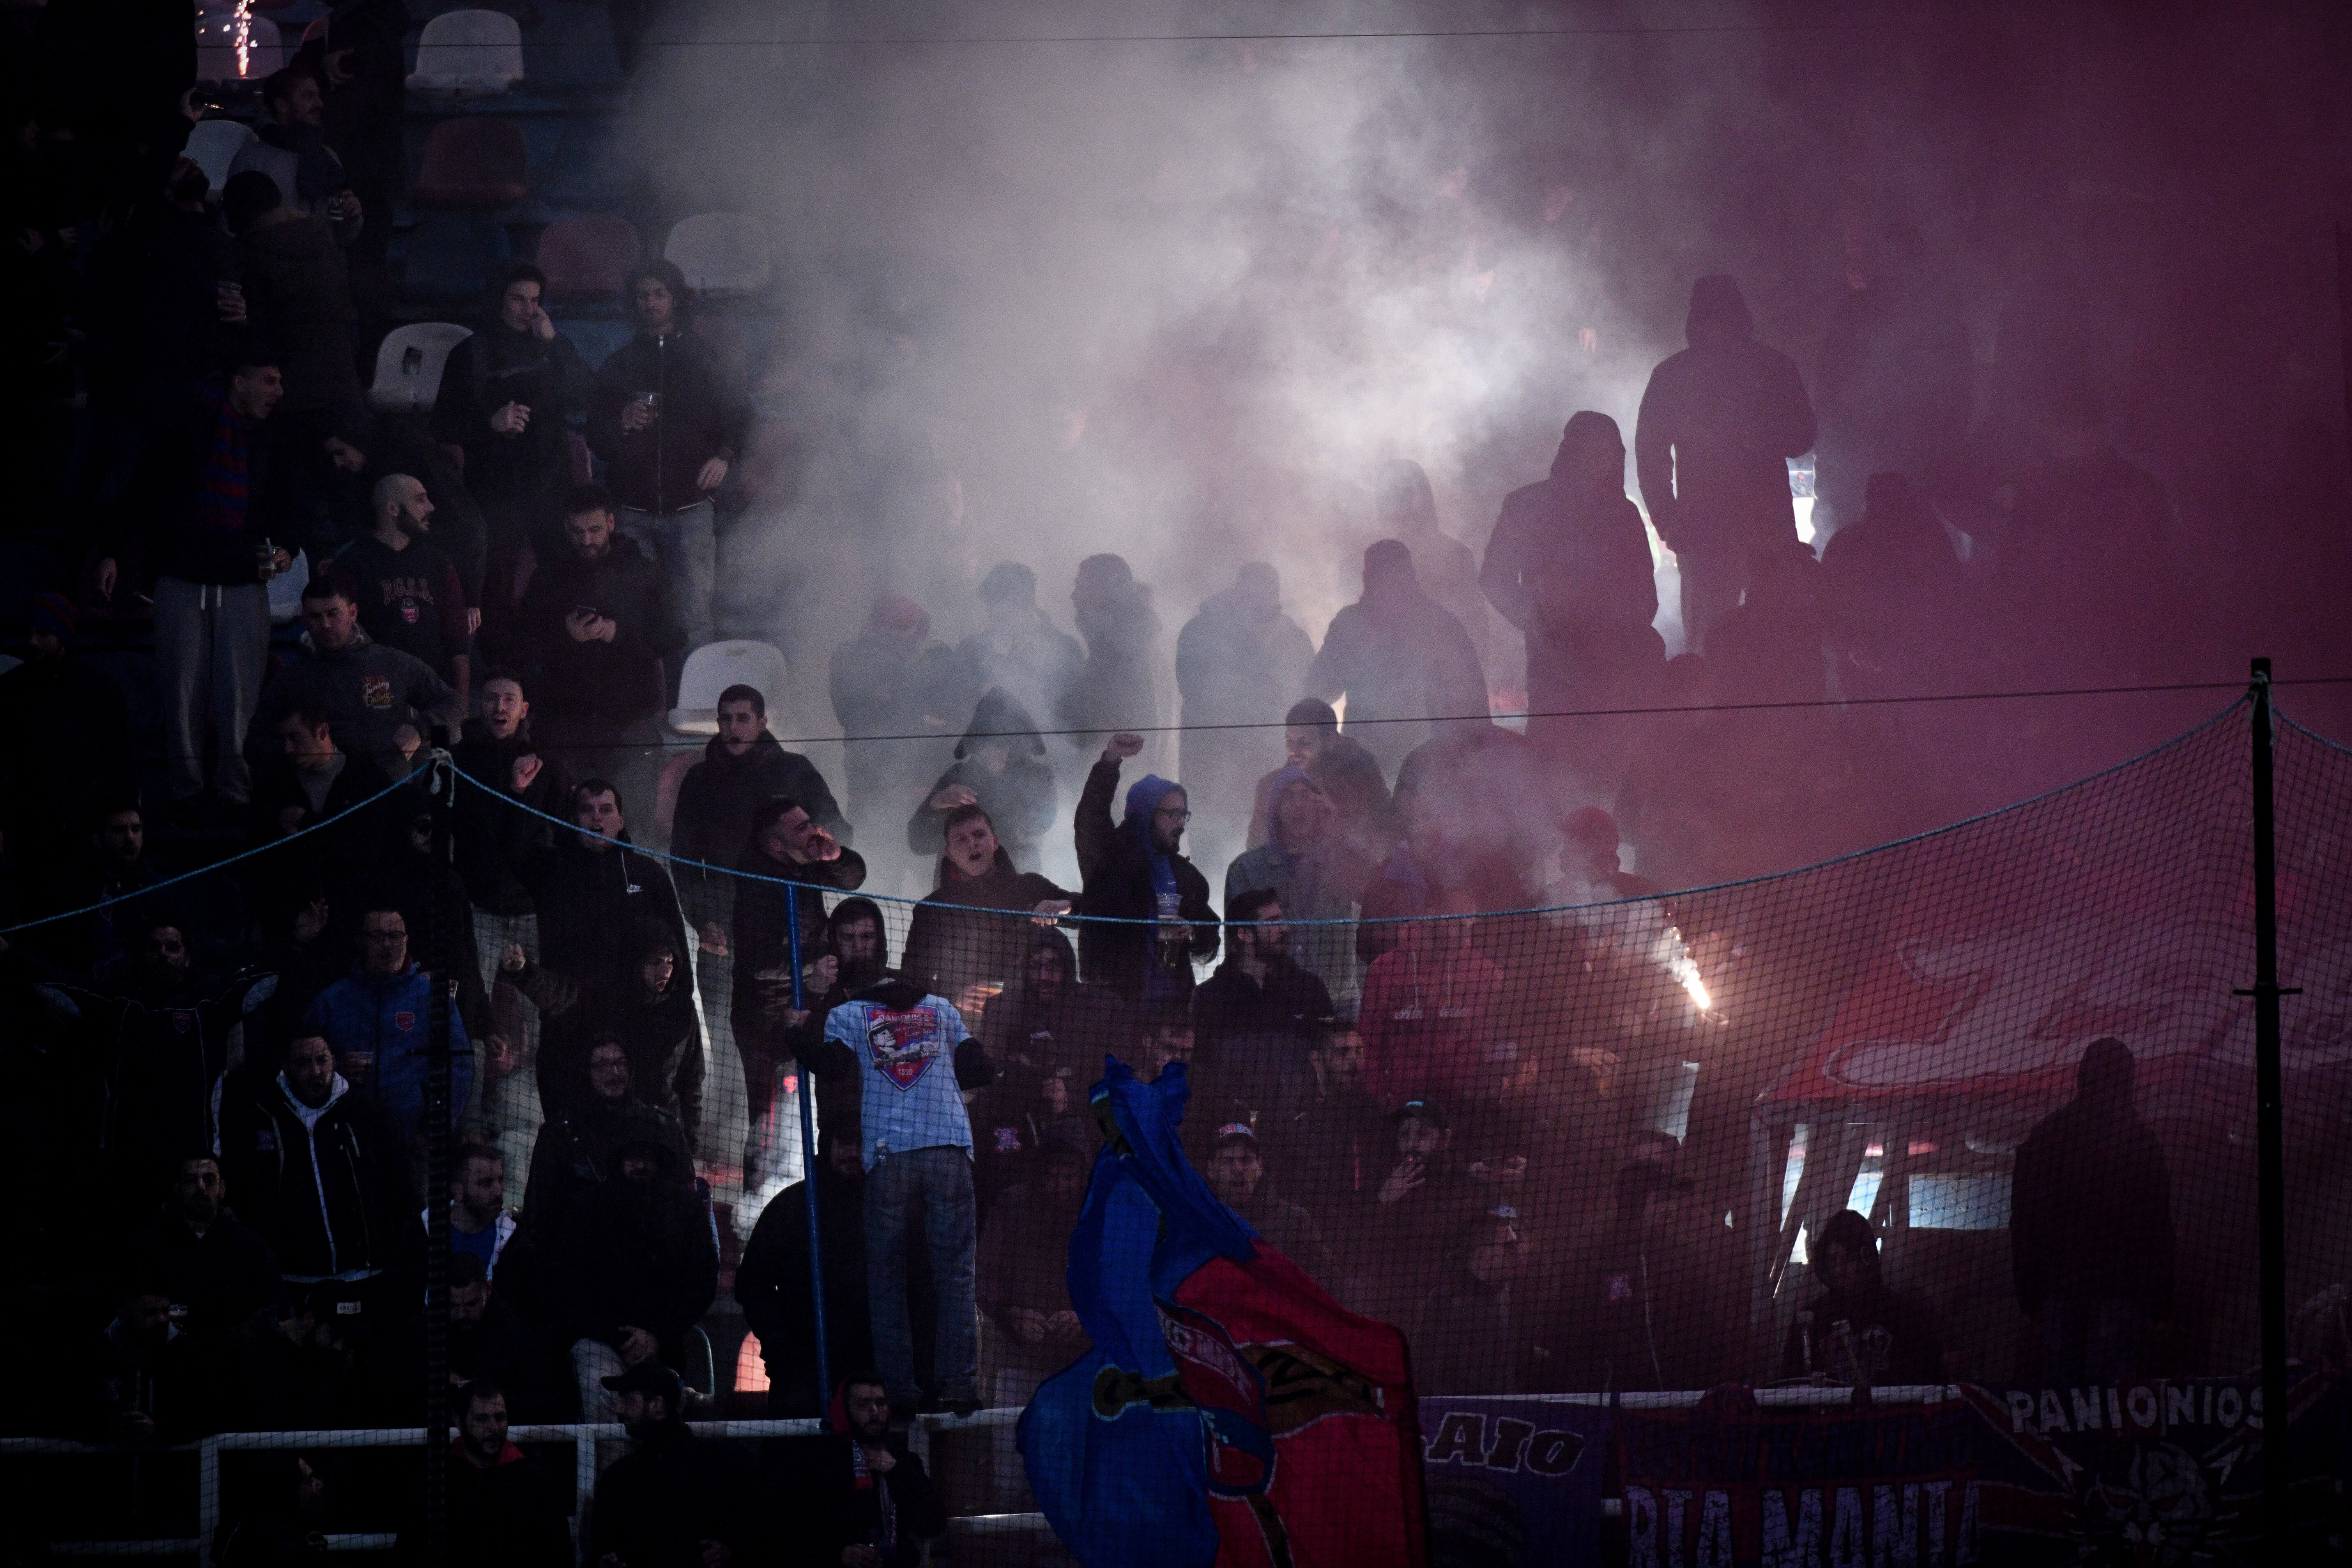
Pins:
<point x="686" y="545"/>
<point x="940" y="1180"/>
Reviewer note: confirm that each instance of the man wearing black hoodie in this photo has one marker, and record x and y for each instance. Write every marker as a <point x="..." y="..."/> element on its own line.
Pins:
<point x="1000" y="766"/>
<point x="1717" y="422"/>
<point x="594" y="887"/>
<point x="2090" y="1227"/>
<point x="773" y="1288"/>
<point x="742" y="766"/>
<point x="1568" y="565"/>
<point x="1401" y="657"/>
<point x="953" y="953"/>
<point x="675" y="1500"/>
<point x="217" y="1269"/>
<point x="668" y="418"/>
<point x="858" y="1497"/>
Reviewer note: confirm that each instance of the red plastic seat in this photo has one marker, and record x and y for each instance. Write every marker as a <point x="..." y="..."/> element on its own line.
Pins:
<point x="587" y="256"/>
<point x="474" y="161"/>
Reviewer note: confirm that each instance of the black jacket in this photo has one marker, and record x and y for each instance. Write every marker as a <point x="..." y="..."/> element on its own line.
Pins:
<point x="577" y="1149"/>
<point x="661" y="1035"/>
<point x="518" y="479"/>
<point x="1118" y="872"/>
<point x="497" y="843"/>
<point x="589" y="898"/>
<point x="771" y="1285"/>
<point x="765" y="913"/>
<point x="618" y="679"/>
<point x="1250" y="1036"/>
<point x="1716" y="424"/>
<point x="637" y="1252"/>
<point x="829" y="1511"/>
<point x="703" y="416"/>
<point x="217" y="1280"/>
<point x="657" y="1505"/>
<point x="2090" y="1200"/>
<point x="952" y="943"/>
<point x="713" y="822"/>
<point x="514" y="1514"/>
<point x="333" y="1196"/>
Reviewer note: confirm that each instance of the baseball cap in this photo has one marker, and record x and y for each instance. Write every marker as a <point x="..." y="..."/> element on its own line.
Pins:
<point x="1421" y="1108"/>
<point x="648" y="1377"/>
<point x="1233" y="1131"/>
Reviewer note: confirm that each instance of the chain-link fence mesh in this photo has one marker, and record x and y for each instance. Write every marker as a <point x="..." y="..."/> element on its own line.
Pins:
<point x="1971" y="1107"/>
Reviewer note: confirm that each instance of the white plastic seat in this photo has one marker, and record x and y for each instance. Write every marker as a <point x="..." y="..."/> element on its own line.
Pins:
<point x="408" y="365"/>
<point x="214" y="145"/>
<point x="720" y="253"/>
<point x="474" y="53"/>
<point x="217" y="56"/>
<point x="711" y="669"/>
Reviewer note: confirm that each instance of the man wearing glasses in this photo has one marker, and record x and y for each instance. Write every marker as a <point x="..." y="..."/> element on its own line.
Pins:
<point x="1150" y="905"/>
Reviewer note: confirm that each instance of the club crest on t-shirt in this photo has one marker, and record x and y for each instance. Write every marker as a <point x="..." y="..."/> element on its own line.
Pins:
<point x="903" y="1045"/>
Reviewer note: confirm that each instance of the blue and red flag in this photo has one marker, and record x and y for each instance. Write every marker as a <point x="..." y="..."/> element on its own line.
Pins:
<point x="1231" y="1414"/>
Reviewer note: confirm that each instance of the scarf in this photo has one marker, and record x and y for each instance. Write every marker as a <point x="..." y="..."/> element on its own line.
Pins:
<point x="223" y="479"/>
<point x="865" y="1480"/>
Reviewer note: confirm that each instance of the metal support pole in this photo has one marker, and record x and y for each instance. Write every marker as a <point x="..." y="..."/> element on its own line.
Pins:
<point x="2270" y="1158"/>
<point x="809" y="1162"/>
<point x="443" y="780"/>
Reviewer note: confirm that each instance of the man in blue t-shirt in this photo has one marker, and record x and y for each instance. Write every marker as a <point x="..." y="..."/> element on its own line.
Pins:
<point x="913" y="1059"/>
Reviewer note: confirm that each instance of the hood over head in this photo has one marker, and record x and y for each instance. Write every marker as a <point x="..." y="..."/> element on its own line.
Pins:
<point x="2105" y="1080"/>
<point x="1718" y="314"/>
<point x="1143" y="798"/>
<point x="1283" y="782"/>
<point x="1591" y="453"/>
<point x="999" y="715"/>
<point x="1402" y="501"/>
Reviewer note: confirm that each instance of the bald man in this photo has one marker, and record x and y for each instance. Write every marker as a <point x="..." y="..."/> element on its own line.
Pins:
<point x="410" y="596"/>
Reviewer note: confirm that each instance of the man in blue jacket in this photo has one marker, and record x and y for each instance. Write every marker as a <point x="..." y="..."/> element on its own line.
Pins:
<point x="379" y="1019"/>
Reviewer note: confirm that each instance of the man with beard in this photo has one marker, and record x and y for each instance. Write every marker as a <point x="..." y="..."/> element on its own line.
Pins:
<point x="1400" y="659"/>
<point x="291" y="149"/>
<point x="675" y="1500"/>
<point x="1154" y="903"/>
<point x="858" y="1497"/>
<point x="218" y="1270"/>
<point x="1719" y="422"/>
<point x="649" y="1008"/>
<point x="1333" y="1146"/>
<point x="1235" y="663"/>
<point x="632" y="1266"/>
<point x="1568" y="565"/>
<point x="1236" y="1174"/>
<point x="1253" y="1018"/>
<point x="410" y="598"/>
<point x="962" y="955"/>
<point x="742" y="766"/>
<point x="505" y="1510"/>
<point x="580" y="1146"/>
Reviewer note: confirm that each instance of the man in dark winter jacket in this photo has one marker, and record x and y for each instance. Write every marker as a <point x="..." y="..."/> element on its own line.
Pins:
<point x="505" y="1510"/>
<point x="596" y="887"/>
<point x="205" y="506"/>
<point x="289" y="1367"/>
<point x="319" y="1171"/>
<point x="598" y="622"/>
<point x="958" y="954"/>
<point x="579" y="1146"/>
<point x="1895" y="377"/>
<point x="1120" y="687"/>
<point x="379" y="1020"/>
<point x="1349" y="777"/>
<point x="1134" y="872"/>
<point x="1255" y="1017"/>
<point x="1399" y="658"/>
<point x="648" y="1007"/>
<point x="1568" y="565"/>
<point x="502" y="829"/>
<point x="858" y="1497"/>
<point x="675" y="1500"/>
<point x="1000" y="766"/>
<point x="292" y="150"/>
<point x="2090" y="1227"/>
<point x="504" y="397"/>
<point x="372" y="449"/>
<point x="631" y="1265"/>
<point x="773" y="1288"/>
<point x="742" y="766"/>
<point x="1859" y="1331"/>
<point x="797" y="861"/>
<point x="1719" y="422"/>
<point x="410" y="598"/>
<point x="383" y="702"/>
<point x="312" y="780"/>
<point x="1238" y="662"/>
<point x="668" y="418"/>
<point x="1317" y="875"/>
<point x="298" y="294"/>
<point x="218" y="1270"/>
<point x="891" y="679"/>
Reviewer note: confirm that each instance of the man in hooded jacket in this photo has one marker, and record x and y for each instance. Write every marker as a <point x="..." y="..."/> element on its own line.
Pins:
<point x="743" y="766"/>
<point x="1568" y="565"/>
<point x="1399" y="658"/>
<point x="1151" y="904"/>
<point x="1000" y="766"/>
<point x="955" y="953"/>
<point x="2090" y="1225"/>
<point x="1717" y="422"/>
